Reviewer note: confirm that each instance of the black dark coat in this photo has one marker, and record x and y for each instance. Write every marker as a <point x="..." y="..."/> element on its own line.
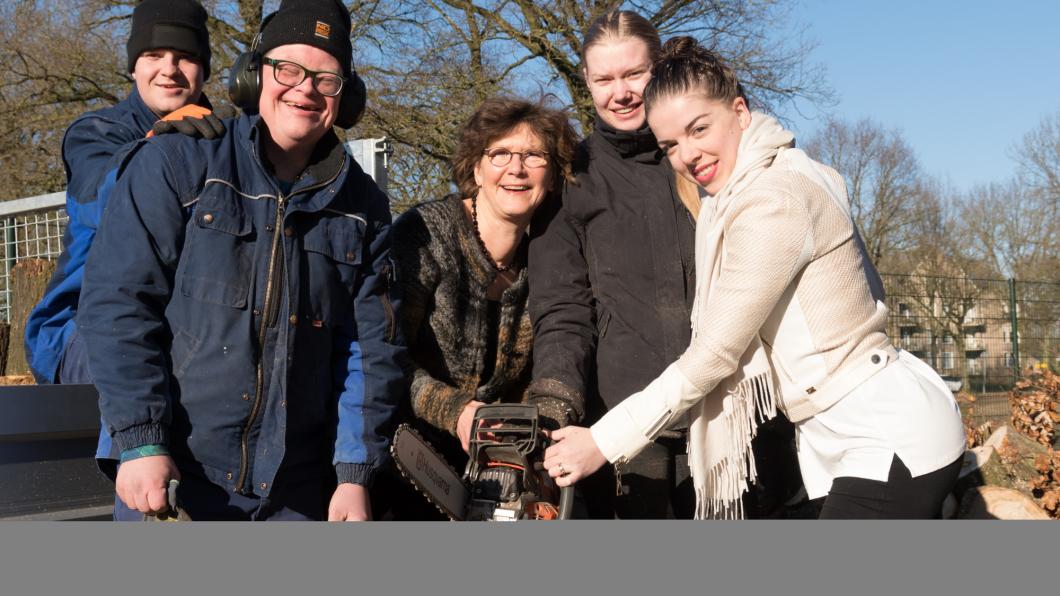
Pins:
<point x="611" y="275"/>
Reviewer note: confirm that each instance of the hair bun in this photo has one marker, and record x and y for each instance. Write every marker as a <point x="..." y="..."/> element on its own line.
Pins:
<point x="684" y="65"/>
<point x="687" y="48"/>
<point x="680" y="47"/>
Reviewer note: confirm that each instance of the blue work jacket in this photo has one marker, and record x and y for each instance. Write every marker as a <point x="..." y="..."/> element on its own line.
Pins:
<point x="249" y="330"/>
<point x="90" y="147"/>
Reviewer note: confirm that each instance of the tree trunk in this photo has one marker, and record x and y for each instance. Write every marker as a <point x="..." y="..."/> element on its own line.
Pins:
<point x="29" y="277"/>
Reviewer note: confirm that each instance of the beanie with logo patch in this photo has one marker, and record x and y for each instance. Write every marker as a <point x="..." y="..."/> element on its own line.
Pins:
<point x="323" y="24"/>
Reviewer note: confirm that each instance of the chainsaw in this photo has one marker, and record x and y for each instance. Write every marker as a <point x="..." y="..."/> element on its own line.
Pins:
<point x="504" y="479"/>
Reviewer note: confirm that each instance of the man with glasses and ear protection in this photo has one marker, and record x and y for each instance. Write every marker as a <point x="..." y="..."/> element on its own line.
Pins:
<point x="238" y="305"/>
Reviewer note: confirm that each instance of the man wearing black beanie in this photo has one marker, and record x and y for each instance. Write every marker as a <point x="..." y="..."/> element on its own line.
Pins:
<point x="239" y="302"/>
<point x="169" y="58"/>
<point x="169" y="53"/>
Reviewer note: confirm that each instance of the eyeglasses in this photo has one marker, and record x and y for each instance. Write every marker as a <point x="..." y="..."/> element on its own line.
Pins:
<point x="501" y="157"/>
<point x="291" y="74"/>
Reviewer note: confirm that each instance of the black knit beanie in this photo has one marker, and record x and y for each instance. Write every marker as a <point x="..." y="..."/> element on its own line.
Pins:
<point x="323" y="24"/>
<point x="174" y="24"/>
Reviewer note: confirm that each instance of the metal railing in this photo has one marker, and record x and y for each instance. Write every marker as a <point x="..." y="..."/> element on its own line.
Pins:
<point x="33" y="228"/>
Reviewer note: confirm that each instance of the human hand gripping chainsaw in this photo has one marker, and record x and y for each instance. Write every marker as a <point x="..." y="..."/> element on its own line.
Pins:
<point x="504" y="480"/>
<point x="573" y="455"/>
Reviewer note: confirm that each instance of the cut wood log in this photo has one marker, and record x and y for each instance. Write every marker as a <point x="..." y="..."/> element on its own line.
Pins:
<point x="996" y="502"/>
<point x="29" y="278"/>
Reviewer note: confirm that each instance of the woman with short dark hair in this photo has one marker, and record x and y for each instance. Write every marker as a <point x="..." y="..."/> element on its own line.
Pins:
<point x="461" y="263"/>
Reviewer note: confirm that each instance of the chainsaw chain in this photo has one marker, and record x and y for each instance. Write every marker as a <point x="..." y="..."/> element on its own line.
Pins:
<point x="411" y="480"/>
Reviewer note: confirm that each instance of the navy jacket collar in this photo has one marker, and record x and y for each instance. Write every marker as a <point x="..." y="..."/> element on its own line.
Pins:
<point x="144" y="117"/>
<point x="328" y="166"/>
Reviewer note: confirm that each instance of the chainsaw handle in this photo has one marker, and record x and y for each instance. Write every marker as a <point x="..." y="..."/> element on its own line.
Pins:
<point x="566" y="502"/>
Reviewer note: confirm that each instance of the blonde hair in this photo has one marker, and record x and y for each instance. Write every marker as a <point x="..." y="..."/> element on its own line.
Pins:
<point x="616" y="25"/>
<point x="688" y="192"/>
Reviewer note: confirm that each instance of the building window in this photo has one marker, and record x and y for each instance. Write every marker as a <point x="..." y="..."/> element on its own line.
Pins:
<point x="1008" y="359"/>
<point x="947" y="360"/>
<point x="948" y="339"/>
<point x="903" y="309"/>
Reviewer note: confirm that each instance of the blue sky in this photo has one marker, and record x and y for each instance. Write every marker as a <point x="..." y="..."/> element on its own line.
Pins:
<point x="963" y="81"/>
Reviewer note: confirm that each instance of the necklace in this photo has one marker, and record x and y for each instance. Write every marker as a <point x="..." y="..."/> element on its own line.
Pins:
<point x="482" y="244"/>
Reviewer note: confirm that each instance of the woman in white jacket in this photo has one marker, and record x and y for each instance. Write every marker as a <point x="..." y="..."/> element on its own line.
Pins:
<point x="787" y="315"/>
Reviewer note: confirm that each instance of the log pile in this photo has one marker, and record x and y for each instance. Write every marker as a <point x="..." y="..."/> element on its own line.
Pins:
<point x="975" y="435"/>
<point x="1034" y="406"/>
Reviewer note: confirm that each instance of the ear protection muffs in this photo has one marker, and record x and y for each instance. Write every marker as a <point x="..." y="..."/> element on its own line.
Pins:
<point x="353" y="101"/>
<point x="244" y="85"/>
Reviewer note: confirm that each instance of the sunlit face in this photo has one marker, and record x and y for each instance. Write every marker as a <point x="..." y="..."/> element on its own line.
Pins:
<point x="616" y="73"/>
<point x="700" y="136"/>
<point x="167" y="80"/>
<point x="512" y="191"/>
<point x="298" y="116"/>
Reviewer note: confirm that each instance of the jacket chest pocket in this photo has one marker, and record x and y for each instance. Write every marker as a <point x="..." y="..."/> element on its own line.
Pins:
<point x="217" y="260"/>
<point x="332" y="250"/>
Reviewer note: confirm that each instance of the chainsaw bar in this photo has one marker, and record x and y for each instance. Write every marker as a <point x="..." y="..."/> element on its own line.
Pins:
<point x="429" y="473"/>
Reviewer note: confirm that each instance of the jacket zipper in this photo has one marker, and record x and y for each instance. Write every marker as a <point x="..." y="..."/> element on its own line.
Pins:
<point x="268" y="320"/>
<point x="270" y="310"/>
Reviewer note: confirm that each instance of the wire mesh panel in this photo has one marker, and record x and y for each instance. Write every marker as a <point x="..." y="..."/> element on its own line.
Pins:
<point x="977" y="333"/>
<point x="1037" y="323"/>
<point x="34" y="235"/>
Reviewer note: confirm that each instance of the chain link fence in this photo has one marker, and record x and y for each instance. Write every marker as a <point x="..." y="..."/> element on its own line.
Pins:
<point x="977" y="333"/>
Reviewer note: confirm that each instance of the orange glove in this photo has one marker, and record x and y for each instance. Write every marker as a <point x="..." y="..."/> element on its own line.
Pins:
<point x="192" y="120"/>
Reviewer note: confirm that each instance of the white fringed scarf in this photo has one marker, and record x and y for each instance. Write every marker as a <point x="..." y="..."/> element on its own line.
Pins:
<point x="726" y="420"/>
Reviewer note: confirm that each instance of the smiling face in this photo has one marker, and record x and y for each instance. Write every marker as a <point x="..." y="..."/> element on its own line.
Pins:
<point x="511" y="192"/>
<point x="167" y="80"/>
<point x="700" y="136"/>
<point x="616" y="73"/>
<point x="297" y="117"/>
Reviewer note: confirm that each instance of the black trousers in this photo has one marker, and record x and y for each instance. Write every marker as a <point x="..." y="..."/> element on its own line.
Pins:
<point x="657" y="484"/>
<point x="901" y="497"/>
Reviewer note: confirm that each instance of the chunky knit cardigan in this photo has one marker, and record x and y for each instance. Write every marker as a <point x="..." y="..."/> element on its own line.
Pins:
<point x="444" y="316"/>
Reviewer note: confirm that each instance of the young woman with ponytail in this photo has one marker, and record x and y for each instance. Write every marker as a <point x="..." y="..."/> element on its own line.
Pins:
<point x="787" y="316"/>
